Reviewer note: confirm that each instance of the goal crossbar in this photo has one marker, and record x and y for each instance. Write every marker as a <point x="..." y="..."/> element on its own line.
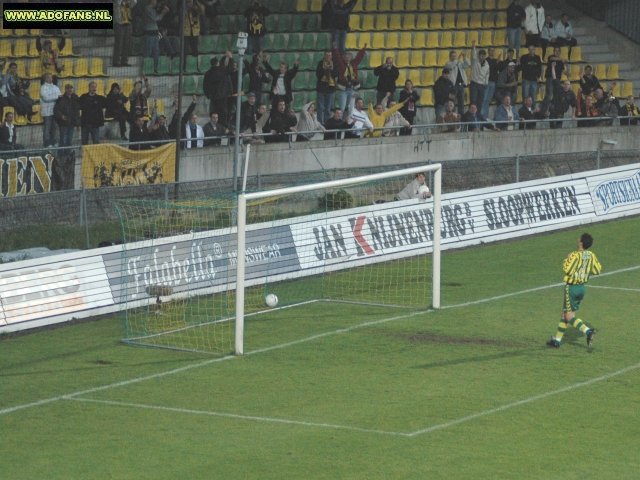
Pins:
<point x="242" y="220"/>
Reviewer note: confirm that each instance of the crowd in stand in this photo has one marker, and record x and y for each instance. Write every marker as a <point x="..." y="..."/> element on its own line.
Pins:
<point x="269" y="99"/>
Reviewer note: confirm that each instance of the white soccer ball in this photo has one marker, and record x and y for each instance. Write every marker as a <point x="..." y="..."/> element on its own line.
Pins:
<point x="423" y="190"/>
<point x="271" y="300"/>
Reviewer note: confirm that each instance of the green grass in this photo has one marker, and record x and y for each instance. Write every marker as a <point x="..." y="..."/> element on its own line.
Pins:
<point x="379" y="381"/>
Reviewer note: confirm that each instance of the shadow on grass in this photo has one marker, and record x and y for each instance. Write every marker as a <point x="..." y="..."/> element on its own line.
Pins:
<point x="483" y="358"/>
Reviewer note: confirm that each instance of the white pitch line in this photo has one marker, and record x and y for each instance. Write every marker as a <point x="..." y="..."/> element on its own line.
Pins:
<point x="241" y="417"/>
<point x="523" y="402"/>
<point x="284" y="345"/>
<point x="616" y="288"/>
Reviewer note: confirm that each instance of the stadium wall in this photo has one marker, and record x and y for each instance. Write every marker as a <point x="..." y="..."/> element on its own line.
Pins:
<point x="56" y="289"/>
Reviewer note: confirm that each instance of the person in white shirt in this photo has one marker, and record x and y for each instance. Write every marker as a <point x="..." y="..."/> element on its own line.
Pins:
<point x="458" y="76"/>
<point x="533" y="23"/>
<point x="193" y="130"/>
<point x="308" y="122"/>
<point x="8" y="134"/>
<point x="49" y="93"/>
<point x="416" y="189"/>
<point x="479" y="74"/>
<point x="361" y="119"/>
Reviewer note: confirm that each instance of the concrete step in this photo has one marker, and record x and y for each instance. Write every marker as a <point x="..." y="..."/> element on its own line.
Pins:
<point x="587" y="40"/>
<point x="596" y="48"/>
<point x="601" y="57"/>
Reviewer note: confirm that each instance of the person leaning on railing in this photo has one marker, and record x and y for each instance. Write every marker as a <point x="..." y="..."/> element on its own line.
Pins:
<point x="588" y="111"/>
<point x="629" y="110"/>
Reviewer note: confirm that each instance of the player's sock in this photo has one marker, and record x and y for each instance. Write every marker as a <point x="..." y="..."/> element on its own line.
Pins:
<point x="578" y="325"/>
<point x="562" y="326"/>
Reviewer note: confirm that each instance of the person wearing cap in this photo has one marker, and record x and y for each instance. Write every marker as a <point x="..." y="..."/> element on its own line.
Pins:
<point x="507" y="84"/>
<point x="158" y="130"/>
<point x="443" y="91"/>
<point x="415" y="189"/>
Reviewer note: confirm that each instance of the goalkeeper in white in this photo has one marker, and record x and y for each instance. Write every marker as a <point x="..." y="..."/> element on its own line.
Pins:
<point x="416" y="189"/>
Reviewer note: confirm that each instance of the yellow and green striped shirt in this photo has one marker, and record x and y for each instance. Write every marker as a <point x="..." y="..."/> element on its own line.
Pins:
<point x="579" y="266"/>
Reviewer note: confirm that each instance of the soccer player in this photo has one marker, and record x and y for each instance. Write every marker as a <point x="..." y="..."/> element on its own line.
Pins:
<point x="577" y="268"/>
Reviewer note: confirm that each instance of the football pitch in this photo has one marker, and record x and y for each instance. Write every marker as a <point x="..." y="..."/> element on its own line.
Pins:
<point x="330" y="390"/>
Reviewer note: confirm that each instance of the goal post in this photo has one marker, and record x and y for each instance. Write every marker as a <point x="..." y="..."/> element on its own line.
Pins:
<point x="359" y="222"/>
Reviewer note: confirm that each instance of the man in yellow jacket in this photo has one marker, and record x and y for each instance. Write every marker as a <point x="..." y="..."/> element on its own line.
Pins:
<point x="379" y="115"/>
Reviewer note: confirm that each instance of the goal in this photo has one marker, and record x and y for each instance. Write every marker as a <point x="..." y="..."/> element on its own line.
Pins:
<point x="185" y="286"/>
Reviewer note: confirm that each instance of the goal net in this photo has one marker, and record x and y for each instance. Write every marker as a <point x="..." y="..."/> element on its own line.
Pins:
<point x="345" y="241"/>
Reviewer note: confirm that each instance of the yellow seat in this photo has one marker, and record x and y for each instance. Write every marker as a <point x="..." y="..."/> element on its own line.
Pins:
<point x="405" y="40"/>
<point x="476" y="21"/>
<point x="20" y="48"/>
<point x="449" y="21"/>
<point x="351" y="41"/>
<point x="82" y="87"/>
<point x="627" y="89"/>
<point x="473" y="37"/>
<point x="21" y="68"/>
<point x="5" y="48"/>
<point x="397" y="6"/>
<point x="409" y="22"/>
<point x="33" y="50"/>
<point x="378" y="41"/>
<point x="446" y="40"/>
<point x="391" y="54"/>
<point x="34" y="32"/>
<point x="427" y="79"/>
<point x="464" y="5"/>
<point x="500" y="38"/>
<point x="613" y="73"/>
<point x="354" y="22"/>
<point x="67" y="68"/>
<point x="34" y="91"/>
<point x="100" y="86"/>
<point x="488" y="20"/>
<point x="382" y="22"/>
<point x="462" y="22"/>
<point x="403" y="59"/>
<point x="501" y="20"/>
<point x="433" y="40"/>
<point x="422" y="21"/>
<point x="67" y="51"/>
<point x="539" y="51"/>
<point x="485" y="38"/>
<point x="37" y="117"/>
<point x="82" y="68"/>
<point x="443" y="58"/>
<point x="437" y="5"/>
<point x="430" y="59"/>
<point x="417" y="58"/>
<point x="564" y="53"/>
<point x="503" y="4"/>
<point x="358" y="8"/>
<point x="435" y="22"/>
<point x="35" y="69"/>
<point x="576" y="54"/>
<point x="549" y="52"/>
<point x="364" y="39"/>
<point x="96" y="68"/>
<point x="316" y="6"/>
<point x="411" y="5"/>
<point x="375" y="58"/>
<point x="414" y="76"/>
<point x="420" y="40"/>
<point x="574" y="73"/>
<point x="367" y="23"/>
<point x="601" y="71"/>
<point x="402" y="78"/>
<point x="476" y="5"/>
<point x="20" y="32"/>
<point x="370" y="5"/>
<point x="127" y="86"/>
<point x="616" y="90"/>
<point x="424" y="5"/>
<point x="6" y="32"/>
<point x="426" y="97"/>
<point x="302" y="6"/>
<point x="460" y="39"/>
<point x="395" y="22"/>
<point x="393" y="41"/>
<point x="491" y="5"/>
<point x="451" y="5"/>
<point x="385" y="6"/>
<point x="19" y="120"/>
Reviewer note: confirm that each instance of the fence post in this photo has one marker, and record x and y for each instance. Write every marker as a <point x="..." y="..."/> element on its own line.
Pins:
<point x="598" y="160"/>
<point x="517" y="168"/>
<point x="166" y="192"/>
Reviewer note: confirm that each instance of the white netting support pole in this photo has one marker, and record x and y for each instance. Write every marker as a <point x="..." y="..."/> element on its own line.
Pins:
<point x="437" y="221"/>
<point x="242" y="221"/>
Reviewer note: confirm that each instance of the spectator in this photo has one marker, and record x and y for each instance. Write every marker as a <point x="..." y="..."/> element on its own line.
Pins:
<point x="169" y="45"/>
<point x="395" y="119"/>
<point x="149" y="21"/>
<point x="209" y="83"/>
<point x="547" y="35"/>
<point x="210" y="20"/>
<point x="629" y="110"/>
<point x="280" y="123"/>
<point x="281" y="81"/>
<point x="490" y="91"/>
<point x="387" y="74"/>
<point x="194" y="131"/>
<point x="479" y="73"/>
<point x="416" y="189"/>
<point x="531" y="66"/>
<point x="262" y="116"/>
<point x="533" y="23"/>
<point x="563" y="100"/>
<point x="476" y="121"/>
<point x="337" y="123"/>
<point x="308" y="123"/>
<point x="248" y="117"/>
<point x="256" y="15"/>
<point x="589" y="83"/>
<point x="67" y="114"/>
<point x="169" y="27"/>
<point x="507" y="84"/>
<point x="4" y="102"/>
<point x="8" y="134"/>
<point x="515" y="17"/>
<point x="458" y="76"/>
<point x="139" y="100"/>
<point x="17" y="92"/>
<point x="408" y="110"/>
<point x="139" y="133"/>
<point x="116" y="109"/>
<point x="448" y="117"/>
<point x="91" y="119"/>
<point x="606" y="104"/>
<point x="213" y="129"/>
<point x="192" y="25"/>
<point x="443" y="91"/>
<point x="222" y="88"/>
<point x="588" y="111"/>
<point x="158" y="131"/>
<point x="559" y="70"/>
<point x="506" y="112"/>
<point x="502" y="64"/>
<point x="348" y="77"/>
<point x="340" y="22"/>
<point x="257" y="75"/>
<point x="564" y="33"/>
<point x="122" y="32"/>
<point x="529" y="112"/>
<point x="360" y="120"/>
<point x="49" y="56"/>
<point x="49" y="94"/>
<point x="327" y="73"/>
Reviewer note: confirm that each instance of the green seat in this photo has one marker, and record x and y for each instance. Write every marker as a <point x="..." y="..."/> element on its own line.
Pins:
<point x="313" y="81"/>
<point x="223" y="44"/>
<point x="188" y="86"/>
<point x="313" y="24"/>
<point x="225" y="25"/>
<point x="371" y="81"/>
<point x="317" y="58"/>
<point x="294" y="42"/>
<point x="297" y="25"/>
<point x="205" y="63"/>
<point x="274" y="61"/>
<point x="163" y="66"/>
<point x="240" y="24"/>
<point x="147" y="66"/>
<point x="207" y="44"/>
<point x="191" y="65"/>
<point x="369" y="94"/>
<point x="308" y="42"/>
<point x="305" y="62"/>
<point x="283" y="24"/>
<point x="311" y="97"/>
<point x="289" y="59"/>
<point x="278" y="43"/>
<point x="298" y="101"/>
<point x="200" y="87"/>
<point x="323" y="42"/>
<point x="289" y="6"/>
<point x="137" y="47"/>
<point x="300" y="82"/>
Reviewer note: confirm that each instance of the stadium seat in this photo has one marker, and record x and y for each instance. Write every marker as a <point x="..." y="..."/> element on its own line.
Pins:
<point x="205" y="63"/>
<point x="471" y="37"/>
<point x="574" y="72"/>
<point x="67" y="68"/>
<point x="427" y="79"/>
<point x="302" y="5"/>
<point x="20" y="120"/>
<point x="395" y="22"/>
<point x="477" y="5"/>
<point x="364" y="39"/>
<point x="316" y="5"/>
<point x="97" y="69"/>
<point x="100" y="86"/>
<point x="409" y="22"/>
<point x="503" y="4"/>
<point x="207" y="44"/>
<point x="398" y="6"/>
<point x="435" y="22"/>
<point x="613" y="72"/>
<point x="501" y="20"/>
<point x="308" y="42"/>
<point x="301" y="81"/>
<point x="393" y="41"/>
<point x="382" y="22"/>
<point x="189" y="85"/>
<point x="601" y="71"/>
<point x="67" y="51"/>
<point x="323" y="42"/>
<point x="426" y="97"/>
<point x="274" y="61"/>
<point x="33" y="49"/>
<point x="163" y="66"/>
<point x="490" y="4"/>
<point x="293" y="45"/>
<point x="462" y="22"/>
<point x="305" y="62"/>
<point x="403" y="59"/>
<point x="5" y="49"/>
<point x="370" y="5"/>
<point x="402" y="78"/>
<point x="279" y="43"/>
<point x="370" y="81"/>
<point x="317" y="58"/>
<point x="576" y="54"/>
<point x="437" y="5"/>
<point x="375" y="59"/>
<point x="443" y="58"/>
<point x="451" y="5"/>
<point x="433" y="40"/>
<point x="488" y="20"/>
<point x="414" y="76"/>
<point x="313" y="81"/>
<point x="34" y="91"/>
<point x="417" y="58"/>
<point x="475" y="22"/>
<point x="191" y="65"/>
<point x="20" y="48"/>
<point x="485" y="39"/>
<point x="430" y="58"/>
<point x="20" y="32"/>
<point x="449" y="21"/>
<point x="424" y="5"/>
<point x="378" y="41"/>
<point x="617" y="90"/>
<point x="35" y="69"/>
<point x="224" y="43"/>
<point x="312" y="24"/>
<point x="82" y="87"/>
<point x="446" y="40"/>
<point x="352" y="41"/>
<point x="420" y="40"/>
<point x="627" y="89"/>
<point x="564" y="53"/>
<point x="367" y="23"/>
<point x="500" y="38"/>
<point x="422" y="21"/>
<point x="37" y="118"/>
<point x="460" y="39"/>
<point x="6" y="32"/>
<point x="411" y="5"/>
<point x="405" y="40"/>
<point x="464" y="5"/>
<point x="290" y="58"/>
<point x="275" y="23"/>
<point x="384" y="6"/>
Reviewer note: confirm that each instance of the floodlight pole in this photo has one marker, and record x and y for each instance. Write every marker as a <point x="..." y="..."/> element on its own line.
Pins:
<point x="241" y="45"/>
